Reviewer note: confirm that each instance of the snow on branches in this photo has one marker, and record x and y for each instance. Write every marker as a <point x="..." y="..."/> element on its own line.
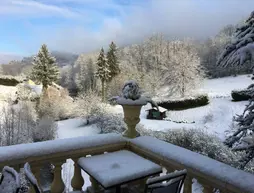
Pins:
<point x="243" y="139"/>
<point x="241" y="48"/>
<point x="45" y="70"/>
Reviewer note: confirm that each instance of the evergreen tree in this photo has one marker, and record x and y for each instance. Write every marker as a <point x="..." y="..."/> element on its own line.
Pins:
<point x="44" y="69"/>
<point x="112" y="61"/>
<point x="239" y="52"/>
<point x="241" y="49"/>
<point x="103" y="72"/>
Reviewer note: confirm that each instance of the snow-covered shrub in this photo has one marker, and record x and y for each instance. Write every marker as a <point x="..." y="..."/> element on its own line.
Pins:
<point x="111" y="123"/>
<point x="184" y="103"/>
<point x="58" y="108"/>
<point x="25" y="93"/>
<point x="89" y="106"/>
<point x="241" y="95"/>
<point x="45" y="129"/>
<point x="20" y="124"/>
<point x="9" y="80"/>
<point x="197" y="140"/>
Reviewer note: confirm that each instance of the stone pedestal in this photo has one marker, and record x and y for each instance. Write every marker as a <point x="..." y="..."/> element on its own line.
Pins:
<point x="131" y="118"/>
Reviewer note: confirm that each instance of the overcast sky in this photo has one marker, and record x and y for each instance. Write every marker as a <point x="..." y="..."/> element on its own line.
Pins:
<point x="85" y="25"/>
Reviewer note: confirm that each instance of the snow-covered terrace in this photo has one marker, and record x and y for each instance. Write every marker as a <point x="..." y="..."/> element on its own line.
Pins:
<point x="210" y="173"/>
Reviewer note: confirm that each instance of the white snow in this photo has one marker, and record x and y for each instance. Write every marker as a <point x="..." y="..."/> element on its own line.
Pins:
<point x="215" y="117"/>
<point x="30" y="175"/>
<point x="124" y="101"/>
<point x="222" y="87"/>
<point x="197" y="162"/>
<point x="17" y="152"/>
<point x="118" y="167"/>
<point x="75" y="128"/>
<point x="11" y="180"/>
<point x="7" y="92"/>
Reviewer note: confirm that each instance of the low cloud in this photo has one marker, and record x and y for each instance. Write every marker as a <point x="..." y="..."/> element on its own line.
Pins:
<point x="174" y="18"/>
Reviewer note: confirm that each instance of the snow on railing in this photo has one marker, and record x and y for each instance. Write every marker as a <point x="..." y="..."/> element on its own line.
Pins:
<point x="210" y="173"/>
<point x="33" y="151"/>
<point x="57" y="152"/>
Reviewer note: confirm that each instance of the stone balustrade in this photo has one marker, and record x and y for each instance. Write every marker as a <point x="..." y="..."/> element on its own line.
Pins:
<point x="210" y="173"/>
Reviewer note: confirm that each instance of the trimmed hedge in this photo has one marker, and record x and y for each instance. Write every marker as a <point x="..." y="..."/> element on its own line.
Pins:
<point x="240" y="95"/>
<point x="187" y="103"/>
<point x="9" y="81"/>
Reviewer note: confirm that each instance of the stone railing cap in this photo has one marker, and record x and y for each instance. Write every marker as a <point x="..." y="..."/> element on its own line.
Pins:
<point x="21" y="151"/>
<point x="197" y="162"/>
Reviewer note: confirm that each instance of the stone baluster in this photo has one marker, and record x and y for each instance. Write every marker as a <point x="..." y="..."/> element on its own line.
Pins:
<point x="187" y="184"/>
<point x="77" y="181"/>
<point x="36" y="170"/>
<point x="169" y="170"/>
<point x="95" y="186"/>
<point x="57" y="185"/>
<point x="206" y="187"/>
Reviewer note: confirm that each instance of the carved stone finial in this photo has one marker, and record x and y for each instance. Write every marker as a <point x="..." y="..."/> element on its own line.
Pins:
<point x="131" y="90"/>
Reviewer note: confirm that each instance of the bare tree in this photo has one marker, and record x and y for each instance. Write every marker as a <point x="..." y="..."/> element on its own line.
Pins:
<point x="181" y="68"/>
<point x="17" y="123"/>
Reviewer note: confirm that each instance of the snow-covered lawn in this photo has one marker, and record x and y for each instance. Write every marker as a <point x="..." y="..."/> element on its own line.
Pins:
<point x="75" y="128"/>
<point x="215" y="117"/>
<point x="222" y="87"/>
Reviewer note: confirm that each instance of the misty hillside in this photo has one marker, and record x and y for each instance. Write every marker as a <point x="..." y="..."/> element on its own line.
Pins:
<point x="62" y="58"/>
<point x="5" y="58"/>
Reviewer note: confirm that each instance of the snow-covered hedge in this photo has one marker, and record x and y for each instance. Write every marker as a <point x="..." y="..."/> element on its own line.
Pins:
<point x="185" y="103"/>
<point x="58" y="108"/>
<point x="25" y="93"/>
<point x="214" y="173"/>
<point x="10" y="80"/>
<point x="198" y="141"/>
<point x="16" y="123"/>
<point x="240" y="95"/>
<point x="45" y="130"/>
<point x="110" y="123"/>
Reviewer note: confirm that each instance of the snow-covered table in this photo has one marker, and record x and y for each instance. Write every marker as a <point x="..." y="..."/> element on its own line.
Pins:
<point x="117" y="168"/>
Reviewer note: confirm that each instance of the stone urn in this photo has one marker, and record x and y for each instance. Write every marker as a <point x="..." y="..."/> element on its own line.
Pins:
<point x="131" y="101"/>
<point x="131" y="109"/>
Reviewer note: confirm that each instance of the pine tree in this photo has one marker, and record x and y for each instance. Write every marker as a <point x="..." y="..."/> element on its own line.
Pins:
<point x="242" y="138"/>
<point x="44" y="69"/>
<point x="103" y="71"/>
<point x="241" y="48"/>
<point x="239" y="52"/>
<point x="112" y="61"/>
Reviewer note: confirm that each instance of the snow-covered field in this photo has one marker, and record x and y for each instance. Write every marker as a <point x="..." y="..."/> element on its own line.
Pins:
<point x="215" y="117"/>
